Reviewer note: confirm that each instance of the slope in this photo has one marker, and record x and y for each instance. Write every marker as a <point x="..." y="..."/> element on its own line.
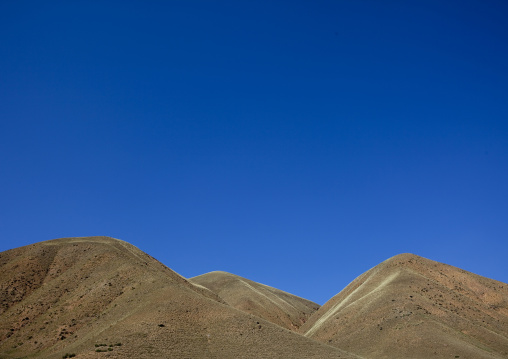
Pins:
<point x="101" y="297"/>
<point x="409" y="306"/>
<point x="274" y="305"/>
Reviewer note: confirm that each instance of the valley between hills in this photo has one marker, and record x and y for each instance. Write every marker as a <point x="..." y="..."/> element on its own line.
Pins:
<point x="99" y="297"/>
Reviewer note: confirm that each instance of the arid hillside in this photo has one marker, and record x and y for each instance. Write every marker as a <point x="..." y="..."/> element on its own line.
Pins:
<point x="274" y="305"/>
<point x="99" y="297"/>
<point x="412" y="307"/>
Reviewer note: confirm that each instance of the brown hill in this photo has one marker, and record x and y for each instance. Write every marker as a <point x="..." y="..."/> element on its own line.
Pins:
<point x="412" y="307"/>
<point x="100" y="297"/>
<point x="274" y="305"/>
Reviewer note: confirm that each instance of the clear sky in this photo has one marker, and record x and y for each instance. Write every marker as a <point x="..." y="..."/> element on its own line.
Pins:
<point x="295" y="143"/>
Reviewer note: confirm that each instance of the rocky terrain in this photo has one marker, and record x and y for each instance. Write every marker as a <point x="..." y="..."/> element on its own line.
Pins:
<point x="99" y="297"/>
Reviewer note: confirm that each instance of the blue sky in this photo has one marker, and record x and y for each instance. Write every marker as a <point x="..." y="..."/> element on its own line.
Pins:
<point x="297" y="144"/>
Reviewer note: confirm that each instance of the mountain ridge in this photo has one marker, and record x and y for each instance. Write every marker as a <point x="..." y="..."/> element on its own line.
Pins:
<point x="85" y="296"/>
<point x="92" y="295"/>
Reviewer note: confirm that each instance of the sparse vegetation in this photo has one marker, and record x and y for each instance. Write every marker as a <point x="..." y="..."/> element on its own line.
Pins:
<point x="102" y="347"/>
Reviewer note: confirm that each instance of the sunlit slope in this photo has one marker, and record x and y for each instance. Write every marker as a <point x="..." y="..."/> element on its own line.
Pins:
<point x="274" y="305"/>
<point x="412" y="307"/>
<point x="80" y="295"/>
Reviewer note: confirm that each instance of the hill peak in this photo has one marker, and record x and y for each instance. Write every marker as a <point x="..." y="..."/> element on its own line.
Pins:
<point x="90" y="239"/>
<point x="406" y="260"/>
<point x="218" y="272"/>
<point x="404" y="257"/>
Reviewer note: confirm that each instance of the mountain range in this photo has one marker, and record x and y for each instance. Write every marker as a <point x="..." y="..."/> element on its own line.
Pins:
<point x="99" y="297"/>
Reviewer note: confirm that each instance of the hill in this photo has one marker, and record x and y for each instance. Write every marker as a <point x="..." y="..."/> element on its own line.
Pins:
<point x="412" y="307"/>
<point x="274" y="305"/>
<point x="101" y="297"/>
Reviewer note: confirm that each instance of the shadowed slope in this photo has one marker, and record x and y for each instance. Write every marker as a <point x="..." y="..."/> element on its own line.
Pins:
<point x="409" y="306"/>
<point x="79" y="295"/>
<point x="274" y="305"/>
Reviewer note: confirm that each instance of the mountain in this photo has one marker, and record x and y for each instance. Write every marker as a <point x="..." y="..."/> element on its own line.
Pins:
<point x="274" y="305"/>
<point x="412" y="307"/>
<point x="100" y="297"/>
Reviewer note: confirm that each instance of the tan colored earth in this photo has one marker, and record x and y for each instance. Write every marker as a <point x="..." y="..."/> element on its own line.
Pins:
<point x="412" y="307"/>
<point x="274" y="305"/>
<point x="99" y="297"/>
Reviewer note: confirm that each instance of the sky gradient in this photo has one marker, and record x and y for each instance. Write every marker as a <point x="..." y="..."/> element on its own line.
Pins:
<point x="297" y="144"/>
